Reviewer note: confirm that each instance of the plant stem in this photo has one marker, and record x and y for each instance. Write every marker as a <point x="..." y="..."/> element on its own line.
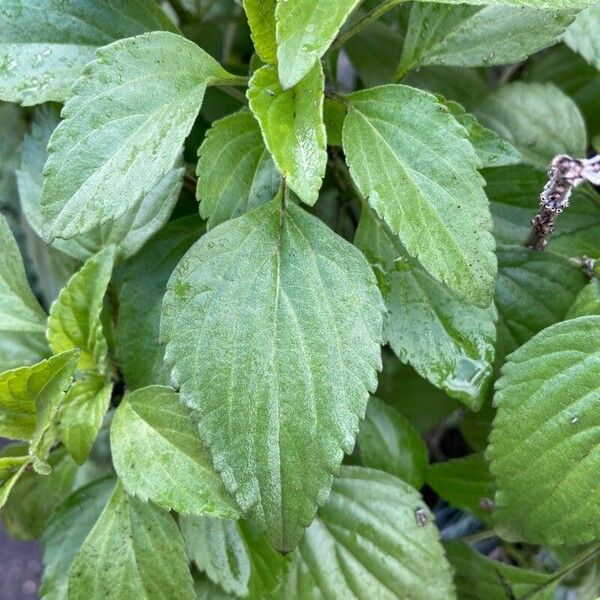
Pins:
<point x="361" y="24"/>
<point x="478" y="536"/>
<point x="233" y="93"/>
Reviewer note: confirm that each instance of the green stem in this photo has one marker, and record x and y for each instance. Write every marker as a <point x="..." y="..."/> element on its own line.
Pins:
<point x="233" y="93"/>
<point x="361" y="24"/>
<point x="478" y="536"/>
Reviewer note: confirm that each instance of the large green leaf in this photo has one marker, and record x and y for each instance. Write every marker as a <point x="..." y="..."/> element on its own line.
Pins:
<point x="470" y="36"/>
<point x="545" y="438"/>
<point x="66" y="531"/>
<point x="587" y="301"/>
<point x="74" y="320"/>
<point x="144" y="280"/>
<point x="388" y="442"/>
<point x="273" y="325"/>
<point x="129" y="232"/>
<point x="133" y="552"/>
<point x="235" y="556"/>
<point x="305" y="29"/>
<point x="447" y="340"/>
<point x="412" y="161"/>
<point x="292" y="125"/>
<point x="261" y="17"/>
<point x="543" y="4"/>
<point x="478" y="577"/>
<point x="235" y="170"/>
<point x="538" y="119"/>
<point x="158" y="455"/>
<point x="375" y="538"/>
<point x="123" y="129"/>
<point x="44" y="44"/>
<point x="583" y="35"/>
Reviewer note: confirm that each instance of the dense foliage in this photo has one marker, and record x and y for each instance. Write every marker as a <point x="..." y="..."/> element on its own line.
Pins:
<point x="192" y="396"/>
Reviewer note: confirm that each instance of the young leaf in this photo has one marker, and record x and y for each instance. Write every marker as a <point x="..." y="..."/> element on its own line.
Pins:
<point x="129" y="116"/>
<point x="367" y="542"/>
<point x="305" y="29"/>
<point x="74" y="320"/>
<point x="11" y="469"/>
<point x="144" y="280"/>
<point x="44" y="52"/>
<point x="235" y="171"/>
<point x="471" y="36"/>
<point x="412" y="161"/>
<point x="133" y="552"/>
<point x="388" y="442"/>
<point x="584" y="34"/>
<point x="465" y="483"/>
<point x="544" y="443"/>
<point x="158" y="455"/>
<point x="82" y="413"/>
<point x="129" y="232"/>
<point x="288" y="319"/>
<point x="538" y="119"/>
<point x="235" y="556"/>
<point x="478" y="577"/>
<point x="587" y="301"/>
<point x="261" y="17"/>
<point x="66" y="531"/>
<point x="292" y="125"/>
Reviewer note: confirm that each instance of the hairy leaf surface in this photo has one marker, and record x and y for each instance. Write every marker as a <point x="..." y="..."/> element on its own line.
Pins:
<point x="261" y="18"/>
<point x="583" y="35"/>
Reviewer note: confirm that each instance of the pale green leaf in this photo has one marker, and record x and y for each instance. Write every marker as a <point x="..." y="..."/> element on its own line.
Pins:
<point x="545" y="441"/>
<point x="158" y="455"/>
<point x="129" y="232"/>
<point x="144" y="280"/>
<point x="133" y="552"/>
<point x="11" y="469"/>
<point x="587" y="301"/>
<point x="414" y="164"/>
<point x="479" y="577"/>
<point x="74" y="320"/>
<point x="388" y="442"/>
<point x="292" y="126"/>
<point x="44" y="44"/>
<point x="235" y="556"/>
<point x="123" y="129"/>
<point x="82" y="413"/>
<point x="261" y="17"/>
<point x="471" y="36"/>
<point x="465" y="483"/>
<point x="538" y="119"/>
<point x="583" y="35"/>
<point x="235" y="171"/>
<point x="375" y="538"/>
<point x="66" y="531"/>
<point x="273" y="325"/>
<point x="207" y="590"/>
<point x="305" y="29"/>
<point x="447" y="340"/>
<point x="542" y="4"/>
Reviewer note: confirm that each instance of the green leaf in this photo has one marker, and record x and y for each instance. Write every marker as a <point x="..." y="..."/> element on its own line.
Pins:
<point x="82" y="413"/>
<point x="292" y="126"/>
<point x="34" y="497"/>
<point x="235" y="171"/>
<point x="273" y="325"/>
<point x="44" y="44"/>
<point x="478" y="577"/>
<point x="66" y="531"/>
<point x="465" y="483"/>
<point x="587" y="301"/>
<point x="583" y="35"/>
<point x="261" y="17"/>
<point x="74" y="320"/>
<point x="235" y="556"/>
<point x="158" y="455"/>
<point x="388" y="442"/>
<point x="144" y="280"/>
<point x="207" y="590"/>
<point x="544" y="443"/>
<point x="11" y="469"/>
<point x="492" y="150"/>
<point x="133" y="552"/>
<point x="412" y="161"/>
<point x="128" y="118"/>
<point x="305" y="29"/>
<point x="538" y="119"/>
<point x="129" y="232"/>
<point x="542" y="4"/>
<point x="447" y="340"/>
<point x="375" y="538"/>
<point x="472" y="36"/>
